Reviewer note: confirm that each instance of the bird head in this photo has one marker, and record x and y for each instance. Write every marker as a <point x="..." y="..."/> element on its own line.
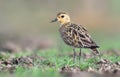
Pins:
<point x="62" y="17"/>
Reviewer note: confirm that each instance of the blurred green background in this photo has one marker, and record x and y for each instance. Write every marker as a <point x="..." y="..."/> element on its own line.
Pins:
<point x="26" y="23"/>
<point x="25" y="26"/>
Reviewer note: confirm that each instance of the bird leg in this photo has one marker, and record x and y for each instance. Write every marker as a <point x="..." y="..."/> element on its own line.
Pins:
<point x="80" y="54"/>
<point x="74" y="55"/>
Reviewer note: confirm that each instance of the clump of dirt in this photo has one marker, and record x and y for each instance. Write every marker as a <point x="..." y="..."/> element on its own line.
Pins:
<point x="105" y="65"/>
<point x="69" y="69"/>
<point x="105" y="68"/>
<point x="9" y="65"/>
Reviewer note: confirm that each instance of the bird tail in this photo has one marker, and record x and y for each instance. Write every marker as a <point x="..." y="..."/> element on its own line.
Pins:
<point x="95" y="51"/>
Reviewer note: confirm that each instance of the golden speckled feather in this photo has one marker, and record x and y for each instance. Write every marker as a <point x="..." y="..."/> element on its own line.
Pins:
<point x="75" y="35"/>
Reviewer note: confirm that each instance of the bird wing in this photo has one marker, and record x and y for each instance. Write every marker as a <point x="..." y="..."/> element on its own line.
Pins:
<point x="81" y="37"/>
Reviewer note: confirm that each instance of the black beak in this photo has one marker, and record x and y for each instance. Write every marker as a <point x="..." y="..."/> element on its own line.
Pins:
<point x="54" y="20"/>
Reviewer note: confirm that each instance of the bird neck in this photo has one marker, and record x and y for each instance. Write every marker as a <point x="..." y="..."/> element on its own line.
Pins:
<point x="66" y="24"/>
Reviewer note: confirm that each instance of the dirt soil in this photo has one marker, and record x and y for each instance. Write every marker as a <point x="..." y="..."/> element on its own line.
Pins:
<point x="105" y="68"/>
<point x="9" y="65"/>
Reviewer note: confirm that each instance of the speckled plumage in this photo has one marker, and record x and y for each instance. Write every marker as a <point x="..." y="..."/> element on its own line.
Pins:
<point x="75" y="35"/>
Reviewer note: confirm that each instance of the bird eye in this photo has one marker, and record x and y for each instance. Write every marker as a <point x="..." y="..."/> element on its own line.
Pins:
<point x="62" y="16"/>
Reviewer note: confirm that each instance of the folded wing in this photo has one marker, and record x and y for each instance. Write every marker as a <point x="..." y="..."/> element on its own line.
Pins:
<point x="81" y="37"/>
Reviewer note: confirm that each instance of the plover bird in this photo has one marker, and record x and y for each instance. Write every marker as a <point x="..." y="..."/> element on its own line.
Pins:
<point x="75" y="35"/>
